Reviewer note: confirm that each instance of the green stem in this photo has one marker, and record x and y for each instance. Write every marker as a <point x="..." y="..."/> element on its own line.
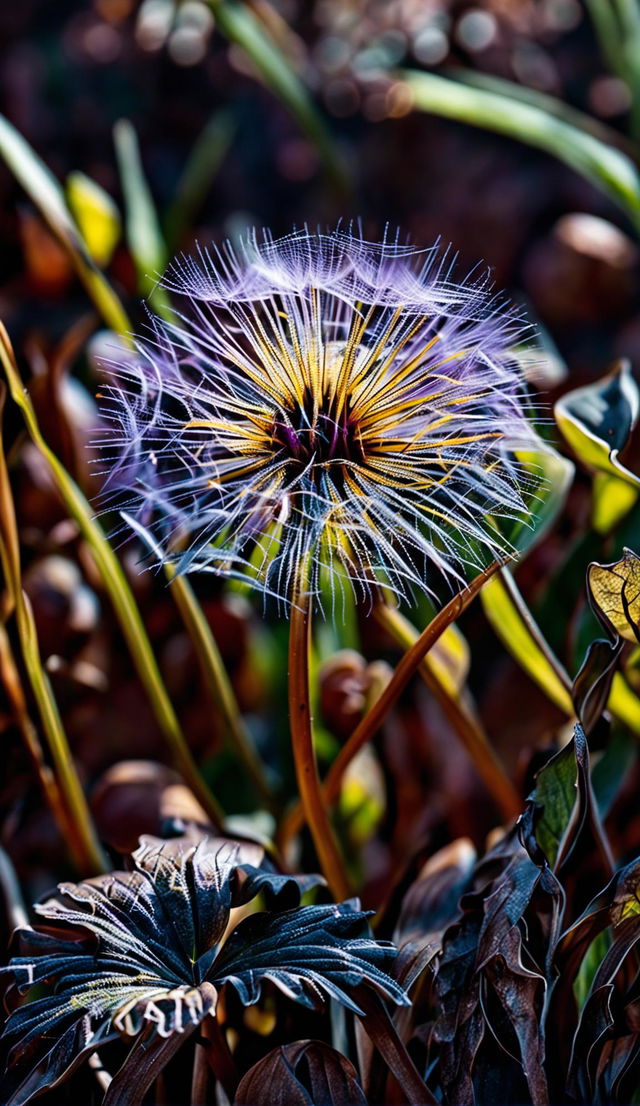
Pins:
<point x="306" y="766"/>
<point x="218" y="683"/>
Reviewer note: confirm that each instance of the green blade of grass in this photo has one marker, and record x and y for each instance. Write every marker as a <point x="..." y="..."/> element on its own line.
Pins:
<point x="217" y="681"/>
<point x="206" y="157"/>
<point x="608" y="169"/>
<point x="118" y="589"/>
<point x="239" y="24"/>
<point x="144" y="236"/>
<point x="43" y="189"/>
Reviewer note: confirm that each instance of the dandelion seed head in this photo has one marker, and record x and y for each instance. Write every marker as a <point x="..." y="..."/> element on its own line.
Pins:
<point x="323" y="411"/>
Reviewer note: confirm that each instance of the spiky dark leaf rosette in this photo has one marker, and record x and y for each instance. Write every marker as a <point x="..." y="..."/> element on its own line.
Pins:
<point x="323" y="401"/>
<point x="144" y="954"/>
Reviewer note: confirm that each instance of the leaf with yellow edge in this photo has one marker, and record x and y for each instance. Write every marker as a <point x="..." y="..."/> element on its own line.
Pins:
<point x="624" y="704"/>
<point x="597" y="421"/>
<point x="615" y="592"/>
<point x="96" y="214"/>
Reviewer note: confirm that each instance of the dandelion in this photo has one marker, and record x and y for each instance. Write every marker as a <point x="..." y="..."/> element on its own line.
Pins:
<point x="323" y="409"/>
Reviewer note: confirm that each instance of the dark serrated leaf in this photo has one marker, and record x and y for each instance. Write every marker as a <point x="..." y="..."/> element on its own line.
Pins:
<point x="140" y="954"/>
<point x="494" y="977"/>
<point x="308" y="953"/>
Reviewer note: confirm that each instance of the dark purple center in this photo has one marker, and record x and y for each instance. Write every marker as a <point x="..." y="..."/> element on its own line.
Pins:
<point x="327" y="437"/>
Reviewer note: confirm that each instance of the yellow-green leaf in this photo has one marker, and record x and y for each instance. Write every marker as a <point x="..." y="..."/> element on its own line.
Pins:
<point x="45" y="192"/>
<point x="520" y="635"/>
<point x="613" y="498"/>
<point x="39" y="183"/>
<point x="96" y="214"/>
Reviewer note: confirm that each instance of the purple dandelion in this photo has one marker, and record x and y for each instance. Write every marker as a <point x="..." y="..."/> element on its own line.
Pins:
<point x="322" y="410"/>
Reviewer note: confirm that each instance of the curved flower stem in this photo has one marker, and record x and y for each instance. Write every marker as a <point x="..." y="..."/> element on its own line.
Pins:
<point x="218" y="683"/>
<point x="313" y="804"/>
<point x="486" y="761"/>
<point x="372" y="721"/>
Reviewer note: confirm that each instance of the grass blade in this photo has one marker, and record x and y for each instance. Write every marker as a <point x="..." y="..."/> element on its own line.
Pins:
<point x="144" y="236"/>
<point x="239" y="24"/>
<point x="608" y="169"/>
<point x="80" y="832"/>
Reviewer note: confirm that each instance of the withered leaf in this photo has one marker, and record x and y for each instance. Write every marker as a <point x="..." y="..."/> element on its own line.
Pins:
<point x="307" y="1073"/>
<point x="615" y="593"/>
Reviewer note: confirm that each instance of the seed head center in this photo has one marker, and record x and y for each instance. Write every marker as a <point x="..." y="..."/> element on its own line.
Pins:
<point x="319" y="437"/>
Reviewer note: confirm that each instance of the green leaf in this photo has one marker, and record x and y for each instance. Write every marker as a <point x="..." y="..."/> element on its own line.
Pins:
<point x="96" y="215"/>
<point x="592" y="960"/>
<point x="144" y="236"/>
<point x="506" y="113"/>
<point x="555" y="792"/>
<point x="514" y="625"/>
<point x="205" y="158"/>
<point x="239" y="24"/>
<point x="597" y="421"/>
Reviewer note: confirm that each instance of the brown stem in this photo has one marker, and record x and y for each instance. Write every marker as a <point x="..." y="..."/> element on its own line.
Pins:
<point x="201" y="1071"/>
<point x="372" y="721"/>
<point x="304" y="756"/>
<point x="487" y="763"/>
<point x="218" y="1054"/>
<point x="384" y="1036"/>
